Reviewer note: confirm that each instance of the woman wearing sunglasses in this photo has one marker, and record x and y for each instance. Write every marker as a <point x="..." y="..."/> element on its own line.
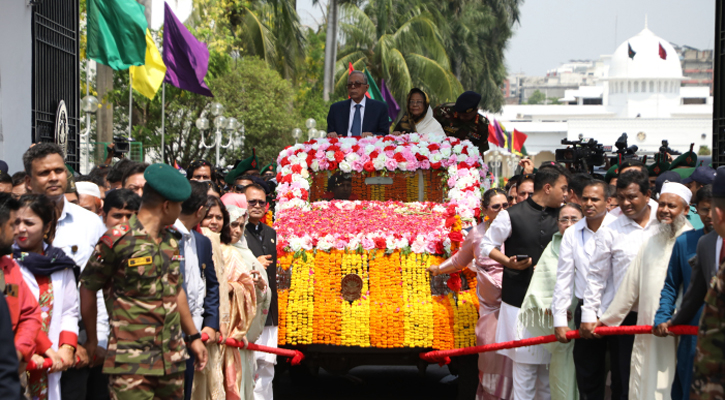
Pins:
<point x="494" y="370"/>
<point x="419" y="116"/>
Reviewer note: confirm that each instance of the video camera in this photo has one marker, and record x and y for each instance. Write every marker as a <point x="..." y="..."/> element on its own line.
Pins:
<point x="121" y="146"/>
<point x="665" y="149"/>
<point x="582" y="156"/>
<point x="622" y="148"/>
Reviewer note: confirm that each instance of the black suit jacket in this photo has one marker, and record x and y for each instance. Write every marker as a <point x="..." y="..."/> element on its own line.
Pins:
<point x="375" y="119"/>
<point x="703" y="269"/>
<point x="206" y="264"/>
<point x="265" y="246"/>
<point x="9" y="379"/>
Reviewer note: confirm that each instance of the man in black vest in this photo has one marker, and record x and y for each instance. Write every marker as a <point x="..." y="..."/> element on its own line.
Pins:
<point x="262" y="241"/>
<point x="524" y="231"/>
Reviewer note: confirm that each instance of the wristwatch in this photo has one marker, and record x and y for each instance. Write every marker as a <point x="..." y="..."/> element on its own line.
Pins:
<point x="193" y="337"/>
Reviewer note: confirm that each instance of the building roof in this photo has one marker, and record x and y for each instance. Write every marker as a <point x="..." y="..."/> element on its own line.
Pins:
<point x="646" y="62"/>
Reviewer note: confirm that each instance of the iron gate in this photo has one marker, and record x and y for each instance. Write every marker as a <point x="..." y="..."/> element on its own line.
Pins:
<point x="56" y="71"/>
<point x="718" y="109"/>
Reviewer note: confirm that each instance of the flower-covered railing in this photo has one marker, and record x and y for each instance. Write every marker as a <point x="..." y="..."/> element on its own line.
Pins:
<point x="353" y="273"/>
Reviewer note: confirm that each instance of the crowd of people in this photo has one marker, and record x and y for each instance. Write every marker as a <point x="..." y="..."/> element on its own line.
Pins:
<point x="108" y="275"/>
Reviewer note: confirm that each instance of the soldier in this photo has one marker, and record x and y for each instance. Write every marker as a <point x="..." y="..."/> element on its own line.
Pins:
<point x="708" y="379"/>
<point x="139" y="267"/>
<point x="462" y="120"/>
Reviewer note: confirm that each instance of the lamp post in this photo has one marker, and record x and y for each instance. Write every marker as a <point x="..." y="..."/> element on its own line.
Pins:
<point x="296" y="133"/>
<point x="89" y="105"/>
<point x="312" y="133"/>
<point x="220" y="123"/>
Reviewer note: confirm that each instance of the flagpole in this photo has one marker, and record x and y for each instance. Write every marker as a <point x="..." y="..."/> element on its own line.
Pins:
<point x="163" y="117"/>
<point x="130" y="104"/>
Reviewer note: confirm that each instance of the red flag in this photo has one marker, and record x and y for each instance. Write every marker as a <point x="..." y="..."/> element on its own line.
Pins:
<point x="519" y="139"/>
<point x="492" y="135"/>
<point x="350" y="69"/>
<point x="663" y="53"/>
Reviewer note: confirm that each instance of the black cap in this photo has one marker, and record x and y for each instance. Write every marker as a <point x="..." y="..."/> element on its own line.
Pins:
<point x="703" y="175"/>
<point x="667" y="176"/>
<point x="467" y="102"/>
<point x="718" y="185"/>
<point x="3" y="167"/>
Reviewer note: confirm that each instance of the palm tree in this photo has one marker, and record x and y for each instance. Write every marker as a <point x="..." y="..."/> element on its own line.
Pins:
<point x="399" y="42"/>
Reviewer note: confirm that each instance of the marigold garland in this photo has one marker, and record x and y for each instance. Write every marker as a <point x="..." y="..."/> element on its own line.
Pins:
<point x="269" y="218"/>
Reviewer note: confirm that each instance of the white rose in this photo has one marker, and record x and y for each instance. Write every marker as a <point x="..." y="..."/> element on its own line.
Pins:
<point x="369" y="148"/>
<point x="457" y="149"/>
<point x="379" y="163"/>
<point x="295" y="244"/>
<point x="446" y="152"/>
<point x="437" y="157"/>
<point x="352" y="157"/>
<point x="286" y="170"/>
<point x="345" y="166"/>
<point x="315" y="165"/>
<point x="330" y="155"/>
<point x="414" y="137"/>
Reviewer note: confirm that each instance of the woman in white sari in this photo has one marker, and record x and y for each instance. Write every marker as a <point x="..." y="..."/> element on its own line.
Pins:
<point x="419" y="116"/>
<point x="249" y="308"/>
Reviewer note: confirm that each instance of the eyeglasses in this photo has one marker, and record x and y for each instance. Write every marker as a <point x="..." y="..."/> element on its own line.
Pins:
<point x="417" y="103"/>
<point x="355" y="85"/>
<point x="254" y="203"/>
<point x="496" y="207"/>
<point x="569" y="220"/>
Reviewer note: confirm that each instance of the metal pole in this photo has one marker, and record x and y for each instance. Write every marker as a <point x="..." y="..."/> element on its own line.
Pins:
<point x="217" y="144"/>
<point x="163" y="118"/>
<point x="130" y="104"/>
<point x="88" y="119"/>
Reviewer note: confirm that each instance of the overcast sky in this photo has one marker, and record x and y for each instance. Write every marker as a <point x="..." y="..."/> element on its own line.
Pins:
<point x="556" y="31"/>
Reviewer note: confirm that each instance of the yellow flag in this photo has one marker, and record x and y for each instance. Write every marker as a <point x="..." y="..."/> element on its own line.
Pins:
<point x="147" y="78"/>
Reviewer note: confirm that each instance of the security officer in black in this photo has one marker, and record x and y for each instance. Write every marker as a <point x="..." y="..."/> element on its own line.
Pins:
<point x="462" y="120"/>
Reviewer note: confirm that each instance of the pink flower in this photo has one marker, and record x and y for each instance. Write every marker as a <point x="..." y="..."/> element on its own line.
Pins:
<point x="425" y="164"/>
<point x="358" y="165"/>
<point x="324" y="164"/>
<point x="389" y="153"/>
<point x="451" y="182"/>
<point x="368" y="244"/>
<point x="391" y="164"/>
<point x="430" y="247"/>
<point x="412" y="165"/>
<point x="340" y="244"/>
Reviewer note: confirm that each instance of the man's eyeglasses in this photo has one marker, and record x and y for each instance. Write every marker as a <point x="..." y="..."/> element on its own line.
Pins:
<point x="354" y="85"/>
<point x="496" y="207"/>
<point x="254" y="203"/>
<point x="569" y="220"/>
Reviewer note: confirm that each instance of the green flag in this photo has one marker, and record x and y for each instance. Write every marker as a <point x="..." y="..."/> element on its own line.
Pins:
<point x="116" y="33"/>
<point x="373" y="90"/>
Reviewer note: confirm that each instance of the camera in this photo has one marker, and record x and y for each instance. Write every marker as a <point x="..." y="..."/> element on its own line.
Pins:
<point x="121" y="147"/>
<point x="582" y="156"/>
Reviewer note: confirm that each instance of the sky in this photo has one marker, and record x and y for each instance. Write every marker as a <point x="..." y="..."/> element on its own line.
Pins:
<point x="552" y="32"/>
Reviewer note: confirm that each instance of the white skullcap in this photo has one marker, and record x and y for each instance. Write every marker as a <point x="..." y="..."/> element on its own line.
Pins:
<point x="88" y="188"/>
<point x="678" y="189"/>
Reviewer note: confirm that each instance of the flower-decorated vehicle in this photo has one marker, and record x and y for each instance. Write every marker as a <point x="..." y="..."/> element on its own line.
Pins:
<point x="352" y="282"/>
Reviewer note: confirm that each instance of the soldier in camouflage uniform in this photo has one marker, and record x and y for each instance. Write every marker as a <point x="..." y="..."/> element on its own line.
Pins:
<point x="708" y="379"/>
<point x="462" y="120"/>
<point x="138" y="266"/>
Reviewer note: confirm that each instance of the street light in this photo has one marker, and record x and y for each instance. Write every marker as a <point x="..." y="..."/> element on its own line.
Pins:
<point x="311" y="133"/>
<point x="89" y="105"/>
<point x="220" y="123"/>
<point x="310" y="123"/>
<point x="296" y="133"/>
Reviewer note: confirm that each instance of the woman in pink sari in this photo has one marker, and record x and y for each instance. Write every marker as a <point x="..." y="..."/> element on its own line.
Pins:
<point x="494" y="370"/>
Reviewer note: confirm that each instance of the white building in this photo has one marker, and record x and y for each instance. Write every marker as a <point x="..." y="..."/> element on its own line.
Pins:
<point x="640" y="95"/>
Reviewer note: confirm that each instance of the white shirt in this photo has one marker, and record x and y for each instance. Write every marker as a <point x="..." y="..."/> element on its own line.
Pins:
<point x="577" y="248"/>
<point x="616" y="246"/>
<point x="352" y="114"/>
<point x="77" y="234"/>
<point x="195" y="285"/>
<point x="497" y="233"/>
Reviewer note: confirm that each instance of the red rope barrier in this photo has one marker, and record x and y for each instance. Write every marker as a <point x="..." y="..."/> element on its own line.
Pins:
<point x="443" y="357"/>
<point x="295" y="355"/>
<point x="47" y="363"/>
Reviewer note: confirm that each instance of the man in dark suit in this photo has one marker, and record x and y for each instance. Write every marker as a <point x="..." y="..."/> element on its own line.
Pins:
<point x="200" y="280"/>
<point x="262" y="241"/>
<point x="9" y="378"/>
<point x="358" y="115"/>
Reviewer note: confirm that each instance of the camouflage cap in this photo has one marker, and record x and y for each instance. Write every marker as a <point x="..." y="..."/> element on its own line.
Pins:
<point x="168" y="181"/>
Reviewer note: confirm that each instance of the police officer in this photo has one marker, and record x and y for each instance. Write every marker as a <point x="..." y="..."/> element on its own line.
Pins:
<point x="462" y="120"/>
<point x="139" y="267"/>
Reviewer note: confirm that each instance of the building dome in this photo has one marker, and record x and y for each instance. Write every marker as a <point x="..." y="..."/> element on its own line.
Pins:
<point x="646" y="62"/>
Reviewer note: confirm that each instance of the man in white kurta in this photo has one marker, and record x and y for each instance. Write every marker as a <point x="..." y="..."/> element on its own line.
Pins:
<point x="653" y="358"/>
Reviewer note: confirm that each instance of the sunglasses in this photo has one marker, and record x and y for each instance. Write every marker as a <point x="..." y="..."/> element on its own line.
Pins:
<point x="254" y="203"/>
<point x="496" y="207"/>
<point x="355" y="85"/>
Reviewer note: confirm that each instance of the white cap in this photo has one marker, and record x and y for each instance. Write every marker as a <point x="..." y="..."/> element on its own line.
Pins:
<point x="88" y="188"/>
<point x="674" y="188"/>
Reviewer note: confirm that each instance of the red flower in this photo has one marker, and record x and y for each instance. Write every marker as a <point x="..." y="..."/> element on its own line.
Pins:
<point x="440" y="248"/>
<point x="374" y="154"/>
<point x="451" y="211"/>
<point x="389" y="148"/>
<point x="310" y="159"/>
<point x="368" y="166"/>
<point x="355" y="148"/>
<point x="279" y="177"/>
<point x="305" y="194"/>
<point x="454" y="282"/>
<point x="380" y="243"/>
<point x="477" y="212"/>
<point x="284" y="162"/>
<point x="433" y="147"/>
<point x="435" y="165"/>
<point x="388" y="139"/>
<point x="334" y="140"/>
<point x="420" y="157"/>
<point x="333" y="148"/>
<point x="289" y="195"/>
<point x="463" y="165"/>
<point x="455" y="237"/>
<point x="399" y="157"/>
<point x="339" y="156"/>
<point x="332" y="166"/>
<point x="450" y="221"/>
<point x="465" y="150"/>
<point x="287" y="179"/>
<point x="454" y="141"/>
<point x="288" y="147"/>
<point x="297" y="169"/>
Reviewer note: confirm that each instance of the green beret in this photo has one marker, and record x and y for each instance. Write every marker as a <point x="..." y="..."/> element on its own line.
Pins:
<point x="168" y="181"/>
<point x="612" y="172"/>
<point x="686" y="160"/>
<point x="684" y="172"/>
<point x="271" y="167"/>
<point x="658" y="167"/>
<point x="242" y="167"/>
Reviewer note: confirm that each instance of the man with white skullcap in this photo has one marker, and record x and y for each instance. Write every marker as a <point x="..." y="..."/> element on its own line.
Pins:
<point x="652" y="367"/>
<point x="89" y="196"/>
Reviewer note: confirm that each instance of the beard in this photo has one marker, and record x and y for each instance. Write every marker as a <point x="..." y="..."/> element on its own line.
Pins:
<point x="670" y="230"/>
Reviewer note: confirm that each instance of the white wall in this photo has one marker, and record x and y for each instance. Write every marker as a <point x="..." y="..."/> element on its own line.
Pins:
<point x="15" y="82"/>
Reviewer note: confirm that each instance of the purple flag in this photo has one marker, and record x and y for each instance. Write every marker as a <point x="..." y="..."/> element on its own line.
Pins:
<point x="186" y="59"/>
<point x="393" y="107"/>
<point x="499" y="133"/>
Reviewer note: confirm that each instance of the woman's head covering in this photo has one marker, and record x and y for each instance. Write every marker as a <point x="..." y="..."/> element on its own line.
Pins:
<point x="426" y="103"/>
<point x="408" y="122"/>
<point x="236" y="204"/>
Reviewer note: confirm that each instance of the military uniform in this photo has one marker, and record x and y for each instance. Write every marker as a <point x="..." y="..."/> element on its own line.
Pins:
<point x="475" y="130"/>
<point x="140" y="280"/>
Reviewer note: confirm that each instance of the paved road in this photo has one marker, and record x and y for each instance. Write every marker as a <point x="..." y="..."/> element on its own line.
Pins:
<point x="369" y="383"/>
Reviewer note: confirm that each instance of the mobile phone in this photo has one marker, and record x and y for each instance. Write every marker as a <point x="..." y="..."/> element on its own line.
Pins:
<point x="521" y="257"/>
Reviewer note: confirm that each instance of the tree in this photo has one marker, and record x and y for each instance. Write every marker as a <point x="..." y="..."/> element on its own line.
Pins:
<point x="537" y="97"/>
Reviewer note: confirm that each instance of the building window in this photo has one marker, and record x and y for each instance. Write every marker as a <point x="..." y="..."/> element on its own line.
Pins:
<point x="651" y="86"/>
<point x="629" y="86"/>
<point x="659" y="86"/>
<point x="636" y="87"/>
